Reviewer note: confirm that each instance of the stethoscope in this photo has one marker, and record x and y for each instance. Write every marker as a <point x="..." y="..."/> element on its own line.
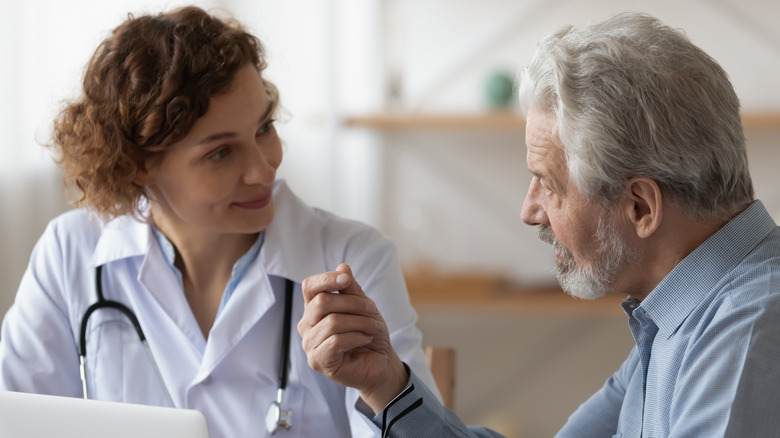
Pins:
<point x="274" y="419"/>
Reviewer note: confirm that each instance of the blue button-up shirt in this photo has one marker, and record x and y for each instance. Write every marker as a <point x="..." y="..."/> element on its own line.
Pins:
<point x="706" y="361"/>
<point x="706" y="358"/>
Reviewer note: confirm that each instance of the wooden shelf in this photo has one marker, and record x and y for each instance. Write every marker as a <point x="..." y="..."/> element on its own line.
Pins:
<point x="761" y="120"/>
<point x="484" y="291"/>
<point x="499" y="120"/>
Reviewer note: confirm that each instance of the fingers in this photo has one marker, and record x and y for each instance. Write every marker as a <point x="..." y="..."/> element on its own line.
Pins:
<point x="336" y="324"/>
<point x="327" y="303"/>
<point x="328" y="356"/>
<point x="340" y="333"/>
<point x="346" y="278"/>
<point x="343" y="334"/>
<point x="341" y="280"/>
<point x="334" y="306"/>
<point x="326" y="282"/>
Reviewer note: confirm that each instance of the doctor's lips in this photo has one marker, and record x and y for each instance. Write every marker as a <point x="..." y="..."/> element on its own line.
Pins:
<point x="256" y="203"/>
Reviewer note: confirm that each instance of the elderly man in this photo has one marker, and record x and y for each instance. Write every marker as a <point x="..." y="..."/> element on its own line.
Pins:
<point x="641" y="185"/>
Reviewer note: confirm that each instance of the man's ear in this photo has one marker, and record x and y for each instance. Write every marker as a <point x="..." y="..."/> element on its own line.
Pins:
<point x="645" y="206"/>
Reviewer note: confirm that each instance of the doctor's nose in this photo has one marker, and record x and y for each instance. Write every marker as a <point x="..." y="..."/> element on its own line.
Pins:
<point x="261" y="163"/>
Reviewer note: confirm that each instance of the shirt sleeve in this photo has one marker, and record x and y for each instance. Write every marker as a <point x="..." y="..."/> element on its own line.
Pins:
<point x="598" y="416"/>
<point x="727" y="376"/>
<point x="416" y="412"/>
<point x="754" y="411"/>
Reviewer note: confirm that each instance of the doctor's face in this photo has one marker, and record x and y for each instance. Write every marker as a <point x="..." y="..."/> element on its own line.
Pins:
<point x="220" y="177"/>
<point x="591" y="253"/>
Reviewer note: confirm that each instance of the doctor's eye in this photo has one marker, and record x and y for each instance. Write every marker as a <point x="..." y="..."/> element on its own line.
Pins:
<point x="219" y="154"/>
<point x="266" y="127"/>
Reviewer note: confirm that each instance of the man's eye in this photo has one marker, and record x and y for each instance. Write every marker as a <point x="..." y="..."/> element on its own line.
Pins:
<point x="544" y="186"/>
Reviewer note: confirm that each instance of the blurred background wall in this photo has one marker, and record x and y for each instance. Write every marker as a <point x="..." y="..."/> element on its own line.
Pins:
<point x="388" y="122"/>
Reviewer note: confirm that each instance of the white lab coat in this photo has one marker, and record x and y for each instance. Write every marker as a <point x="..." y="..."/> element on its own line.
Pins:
<point x="232" y="376"/>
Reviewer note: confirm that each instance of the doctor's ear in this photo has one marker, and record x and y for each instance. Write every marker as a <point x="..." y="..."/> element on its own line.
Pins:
<point x="645" y="206"/>
<point x="145" y="173"/>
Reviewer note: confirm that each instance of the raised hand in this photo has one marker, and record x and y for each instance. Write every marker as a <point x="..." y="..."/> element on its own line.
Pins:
<point x="346" y="339"/>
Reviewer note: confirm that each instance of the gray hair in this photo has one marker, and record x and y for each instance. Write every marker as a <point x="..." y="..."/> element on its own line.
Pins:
<point x="633" y="97"/>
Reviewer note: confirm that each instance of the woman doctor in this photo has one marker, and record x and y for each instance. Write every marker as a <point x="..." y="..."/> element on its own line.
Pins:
<point x="173" y="149"/>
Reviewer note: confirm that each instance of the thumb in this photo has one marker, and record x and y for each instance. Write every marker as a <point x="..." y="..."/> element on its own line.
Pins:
<point x="347" y="282"/>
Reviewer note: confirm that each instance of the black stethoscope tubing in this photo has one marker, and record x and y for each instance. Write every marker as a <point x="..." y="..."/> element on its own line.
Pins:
<point x="284" y="358"/>
<point x="102" y="303"/>
<point x="276" y="417"/>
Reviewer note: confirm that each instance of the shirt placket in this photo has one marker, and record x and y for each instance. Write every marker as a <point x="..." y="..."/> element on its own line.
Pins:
<point x="644" y="330"/>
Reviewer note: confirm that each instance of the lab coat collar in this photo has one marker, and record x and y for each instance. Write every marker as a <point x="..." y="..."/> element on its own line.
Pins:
<point x="122" y="237"/>
<point x="293" y="246"/>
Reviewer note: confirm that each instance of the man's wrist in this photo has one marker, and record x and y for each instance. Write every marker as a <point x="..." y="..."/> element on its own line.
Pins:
<point x="394" y="384"/>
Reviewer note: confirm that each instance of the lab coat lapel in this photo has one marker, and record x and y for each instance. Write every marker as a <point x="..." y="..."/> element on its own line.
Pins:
<point x="249" y="303"/>
<point x="127" y="238"/>
<point x="160" y="281"/>
<point x="293" y="242"/>
<point x="159" y="303"/>
<point x="292" y="249"/>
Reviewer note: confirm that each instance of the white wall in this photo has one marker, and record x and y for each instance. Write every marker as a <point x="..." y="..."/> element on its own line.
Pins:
<point x="450" y="199"/>
<point x="44" y="46"/>
<point x="453" y="199"/>
<point x="322" y="54"/>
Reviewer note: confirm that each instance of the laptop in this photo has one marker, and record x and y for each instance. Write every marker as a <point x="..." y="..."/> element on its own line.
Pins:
<point x="25" y="415"/>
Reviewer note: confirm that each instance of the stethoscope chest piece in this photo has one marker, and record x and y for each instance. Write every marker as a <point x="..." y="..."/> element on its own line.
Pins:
<point x="276" y="418"/>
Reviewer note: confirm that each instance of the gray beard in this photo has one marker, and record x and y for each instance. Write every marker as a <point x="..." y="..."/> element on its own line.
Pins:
<point x="592" y="281"/>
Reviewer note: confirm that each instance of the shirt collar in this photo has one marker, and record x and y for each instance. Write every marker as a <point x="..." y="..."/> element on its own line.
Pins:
<point x="695" y="278"/>
<point x="239" y="268"/>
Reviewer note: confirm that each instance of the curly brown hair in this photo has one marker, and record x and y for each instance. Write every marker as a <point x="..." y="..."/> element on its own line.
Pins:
<point x="143" y="89"/>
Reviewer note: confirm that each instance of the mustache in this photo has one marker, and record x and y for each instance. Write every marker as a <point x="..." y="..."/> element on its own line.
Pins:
<point x="546" y="235"/>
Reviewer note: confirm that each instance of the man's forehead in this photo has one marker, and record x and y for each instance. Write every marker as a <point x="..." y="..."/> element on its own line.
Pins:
<point x="541" y="143"/>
